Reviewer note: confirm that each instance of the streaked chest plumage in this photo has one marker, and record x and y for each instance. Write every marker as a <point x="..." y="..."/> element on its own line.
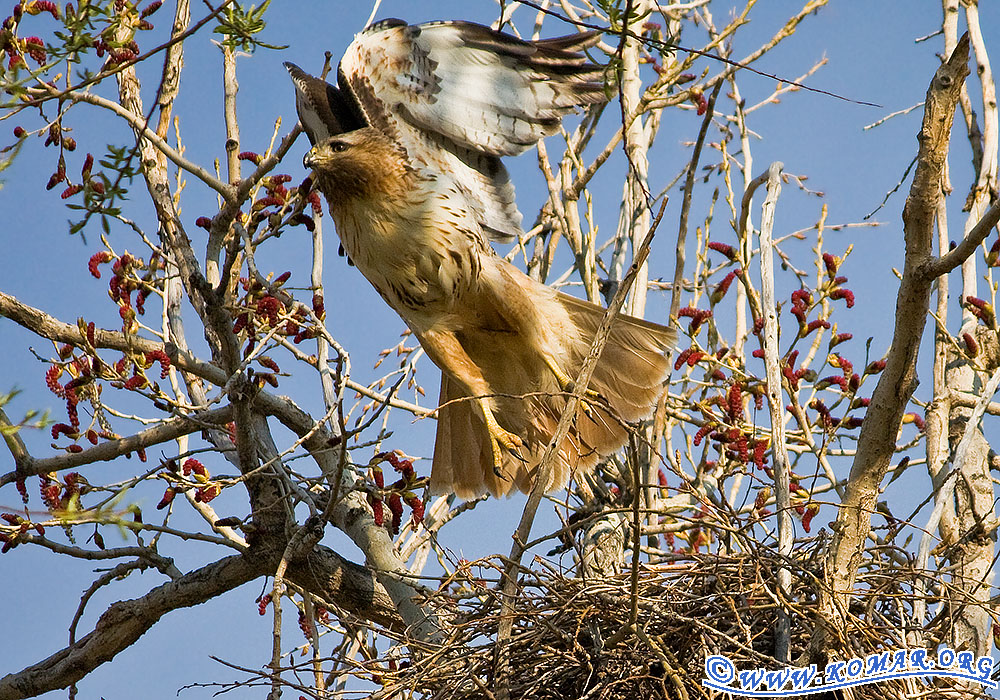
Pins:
<point x="421" y="250"/>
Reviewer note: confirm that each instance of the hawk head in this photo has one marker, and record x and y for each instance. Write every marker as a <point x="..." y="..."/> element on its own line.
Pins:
<point x="357" y="165"/>
<point x="323" y="109"/>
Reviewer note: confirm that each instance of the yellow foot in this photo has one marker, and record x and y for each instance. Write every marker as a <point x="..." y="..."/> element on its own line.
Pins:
<point x="500" y="440"/>
<point x="566" y="384"/>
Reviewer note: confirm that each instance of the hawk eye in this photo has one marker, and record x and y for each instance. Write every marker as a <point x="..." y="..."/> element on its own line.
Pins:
<point x="338" y="146"/>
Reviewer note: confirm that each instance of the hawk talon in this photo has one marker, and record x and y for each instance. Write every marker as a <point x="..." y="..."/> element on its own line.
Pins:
<point x="568" y="385"/>
<point x="500" y="438"/>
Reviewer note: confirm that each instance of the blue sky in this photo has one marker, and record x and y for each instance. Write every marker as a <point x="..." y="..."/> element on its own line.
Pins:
<point x="872" y="57"/>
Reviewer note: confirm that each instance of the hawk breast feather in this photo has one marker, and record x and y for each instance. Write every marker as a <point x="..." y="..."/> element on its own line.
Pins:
<point x="456" y="96"/>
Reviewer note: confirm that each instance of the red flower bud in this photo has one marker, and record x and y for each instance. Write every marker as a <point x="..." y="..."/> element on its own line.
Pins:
<point x="831" y="263"/>
<point x="845" y="294"/>
<point x="802" y="297"/>
<point x="992" y="257"/>
<point x="313" y="199"/>
<point x="22" y="488"/>
<point x="916" y="419"/>
<point x="282" y="278"/>
<point x="697" y="316"/>
<point x="971" y="347"/>
<point x="56" y="178"/>
<point x="875" y="367"/>
<point x="136" y="381"/>
<point x="63" y="429"/>
<point x="702" y="432"/>
<point x="417" y="506"/>
<point x="265" y="599"/>
<point x="727" y="250"/>
<point x="734" y="402"/>
<point x="192" y="465"/>
<point x="52" y="375"/>
<point x="168" y="497"/>
<point x="396" y="508"/>
<point x="207" y="493"/>
<point x="268" y="307"/>
<point x="161" y="357"/>
<point x="377" y="510"/>
<point x="699" y="99"/>
<point x="807" y="517"/>
<point x="37" y="7"/>
<point x="720" y="290"/>
<point x="840" y="338"/>
<point x="266" y="361"/>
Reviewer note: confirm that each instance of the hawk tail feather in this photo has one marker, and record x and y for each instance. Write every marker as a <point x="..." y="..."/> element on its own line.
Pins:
<point x="627" y="378"/>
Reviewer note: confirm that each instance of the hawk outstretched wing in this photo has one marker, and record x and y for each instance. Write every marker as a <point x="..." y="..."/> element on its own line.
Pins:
<point x="455" y="96"/>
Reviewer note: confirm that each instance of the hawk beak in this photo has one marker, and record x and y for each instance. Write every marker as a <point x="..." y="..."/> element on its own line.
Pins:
<point x="308" y="160"/>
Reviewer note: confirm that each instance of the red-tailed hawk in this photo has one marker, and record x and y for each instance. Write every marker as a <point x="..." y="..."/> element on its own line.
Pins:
<point x="407" y="153"/>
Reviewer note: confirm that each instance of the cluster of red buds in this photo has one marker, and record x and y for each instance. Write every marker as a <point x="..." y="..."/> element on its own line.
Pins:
<point x="206" y="491"/>
<point x="89" y="184"/>
<point x="263" y="307"/>
<point x="829" y="422"/>
<point x="57" y="495"/>
<point x="847" y="380"/>
<point x="689" y="356"/>
<point x="83" y="372"/>
<point x="274" y="187"/>
<point x="119" y="52"/>
<point x="14" y="47"/>
<point x="802" y="301"/>
<point x="209" y="489"/>
<point x="322" y="616"/>
<point x="697" y="316"/>
<point x="399" y="492"/>
<point x="125" y="280"/>
<point x="736" y="444"/>
<point x="699" y="100"/>
<point x="10" y="539"/>
<point x="788" y="368"/>
<point x="262" y="604"/>
<point x="832" y="265"/>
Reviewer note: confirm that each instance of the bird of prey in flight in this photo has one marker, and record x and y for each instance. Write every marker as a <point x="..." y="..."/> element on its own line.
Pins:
<point x="406" y="150"/>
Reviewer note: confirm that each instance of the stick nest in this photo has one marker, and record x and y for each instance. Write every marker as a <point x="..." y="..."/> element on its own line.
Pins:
<point x="564" y="642"/>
